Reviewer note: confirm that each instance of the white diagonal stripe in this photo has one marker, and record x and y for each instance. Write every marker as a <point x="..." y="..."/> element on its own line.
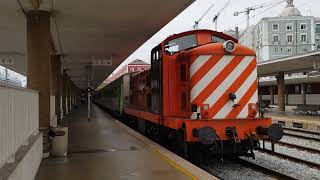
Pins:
<point x="198" y="63"/>
<point x="206" y="79"/>
<point x="227" y="108"/>
<point x="216" y="94"/>
<point x="245" y="112"/>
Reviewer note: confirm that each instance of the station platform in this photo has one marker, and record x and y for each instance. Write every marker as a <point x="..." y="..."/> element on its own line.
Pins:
<point x="291" y="119"/>
<point x="104" y="148"/>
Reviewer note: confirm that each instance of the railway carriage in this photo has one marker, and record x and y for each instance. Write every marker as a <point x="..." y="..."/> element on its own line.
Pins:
<point x="200" y="95"/>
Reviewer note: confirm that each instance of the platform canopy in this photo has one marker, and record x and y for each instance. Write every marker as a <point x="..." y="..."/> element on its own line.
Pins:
<point x="298" y="63"/>
<point x="85" y="31"/>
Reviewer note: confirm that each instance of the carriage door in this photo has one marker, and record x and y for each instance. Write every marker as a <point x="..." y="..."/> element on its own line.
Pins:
<point x="156" y="80"/>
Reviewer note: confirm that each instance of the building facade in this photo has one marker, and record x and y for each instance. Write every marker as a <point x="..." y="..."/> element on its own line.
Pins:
<point x="135" y="66"/>
<point x="288" y="34"/>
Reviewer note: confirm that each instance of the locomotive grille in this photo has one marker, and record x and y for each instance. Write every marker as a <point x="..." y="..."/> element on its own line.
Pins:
<point x="213" y="77"/>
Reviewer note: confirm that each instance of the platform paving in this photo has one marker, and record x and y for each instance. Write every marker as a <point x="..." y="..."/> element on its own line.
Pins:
<point x="100" y="149"/>
<point x="290" y="113"/>
<point x="309" y="122"/>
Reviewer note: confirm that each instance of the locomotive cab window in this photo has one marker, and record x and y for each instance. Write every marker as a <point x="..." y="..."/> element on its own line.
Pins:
<point x="180" y="44"/>
<point x="217" y="39"/>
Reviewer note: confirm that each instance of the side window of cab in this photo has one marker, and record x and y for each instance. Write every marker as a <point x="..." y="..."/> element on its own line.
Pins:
<point x="181" y="43"/>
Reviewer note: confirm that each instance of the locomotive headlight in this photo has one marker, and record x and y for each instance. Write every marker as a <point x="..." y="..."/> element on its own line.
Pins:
<point x="229" y="46"/>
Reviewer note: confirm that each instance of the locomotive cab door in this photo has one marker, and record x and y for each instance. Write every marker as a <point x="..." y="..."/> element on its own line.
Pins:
<point x="157" y="80"/>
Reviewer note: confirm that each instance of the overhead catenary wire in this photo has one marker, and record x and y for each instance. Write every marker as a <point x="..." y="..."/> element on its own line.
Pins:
<point x="196" y="23"/>
<point x="215" y="18"/>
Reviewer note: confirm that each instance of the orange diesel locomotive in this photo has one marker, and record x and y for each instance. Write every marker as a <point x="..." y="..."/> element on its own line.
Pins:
<point x="200" y="96"/>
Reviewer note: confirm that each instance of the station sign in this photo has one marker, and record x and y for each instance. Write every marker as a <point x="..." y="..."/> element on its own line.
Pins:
<point x="102" y="62"/>
<point x="6" y="60"/>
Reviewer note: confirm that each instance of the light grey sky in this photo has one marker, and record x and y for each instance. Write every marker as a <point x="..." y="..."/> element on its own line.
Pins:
<point x="226" y="20"/>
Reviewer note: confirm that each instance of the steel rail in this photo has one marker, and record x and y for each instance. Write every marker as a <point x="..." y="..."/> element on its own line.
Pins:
<point x="301" y="136"/>
<point x="311" y="150"/>
<point x="302" y="131"/>
<point x="303" y="148"/>
<point x="263" y="169"/>
<point x="291" y="158"/>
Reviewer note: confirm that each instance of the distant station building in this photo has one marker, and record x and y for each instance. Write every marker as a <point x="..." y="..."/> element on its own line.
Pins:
<point x="288" y="34"/>
<point x="135" y="66"/>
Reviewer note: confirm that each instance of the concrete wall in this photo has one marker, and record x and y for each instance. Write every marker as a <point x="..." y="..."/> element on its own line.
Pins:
<point x="293" y="99"/>
<point x="28" y="166"/>
<point x="313" y="99"/>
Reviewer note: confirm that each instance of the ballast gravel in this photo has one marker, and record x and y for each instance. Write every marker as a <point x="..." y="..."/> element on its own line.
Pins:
<point x="295" y="170"/>
<point x="233" y="171"/>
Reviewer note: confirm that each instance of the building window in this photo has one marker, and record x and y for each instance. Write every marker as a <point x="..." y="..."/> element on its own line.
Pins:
<point x="275" y="27"/>
<point x="289" y="27"/>
<point x="318" y="47"/>
<point x="309" y="88"/>
<point x="289" y="38"/>
<point x="303" y="26"/>
<point x="317" y="37"/>
<point x="275" y="38"/>
<point x="303" y="38"/>
<point x="317" y="28"/>
<point x="276" y="50"/>
<point x="297" y="89"/>
<point x="304" y="49"/>
<point x="289" y="49"/>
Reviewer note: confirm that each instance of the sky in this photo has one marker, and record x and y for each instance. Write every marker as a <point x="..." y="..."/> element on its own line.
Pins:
<point x="226" y="21"/>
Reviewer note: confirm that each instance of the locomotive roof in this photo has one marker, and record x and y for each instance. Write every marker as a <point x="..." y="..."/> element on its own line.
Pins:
<point x="198" y="31"/>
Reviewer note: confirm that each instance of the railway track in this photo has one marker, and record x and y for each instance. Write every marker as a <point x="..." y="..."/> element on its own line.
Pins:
<point x="254" y="167"/>
<point x="290" y="132"/>
<point x="302" y="137"/>
<point x="263" y="169"/>
<point x="311" y="150"/>
<point x="291" y="158"/>
<point x="302" y="131"/>
<point x="303" y="148"/>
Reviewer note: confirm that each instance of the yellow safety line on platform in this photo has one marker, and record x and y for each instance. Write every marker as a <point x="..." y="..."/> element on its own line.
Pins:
<point x="174" y="164"/>
<point x="161" y="155"/>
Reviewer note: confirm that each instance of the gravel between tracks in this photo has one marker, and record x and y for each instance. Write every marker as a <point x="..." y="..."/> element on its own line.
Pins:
<point x="233" y="171"/>
<point x="295" y="170"/>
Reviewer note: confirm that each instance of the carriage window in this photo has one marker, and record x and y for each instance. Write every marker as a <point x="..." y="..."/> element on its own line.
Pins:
<point x="148" y="81"/>
<point x="181" y="43"/>
<point x="217" y="39"/>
